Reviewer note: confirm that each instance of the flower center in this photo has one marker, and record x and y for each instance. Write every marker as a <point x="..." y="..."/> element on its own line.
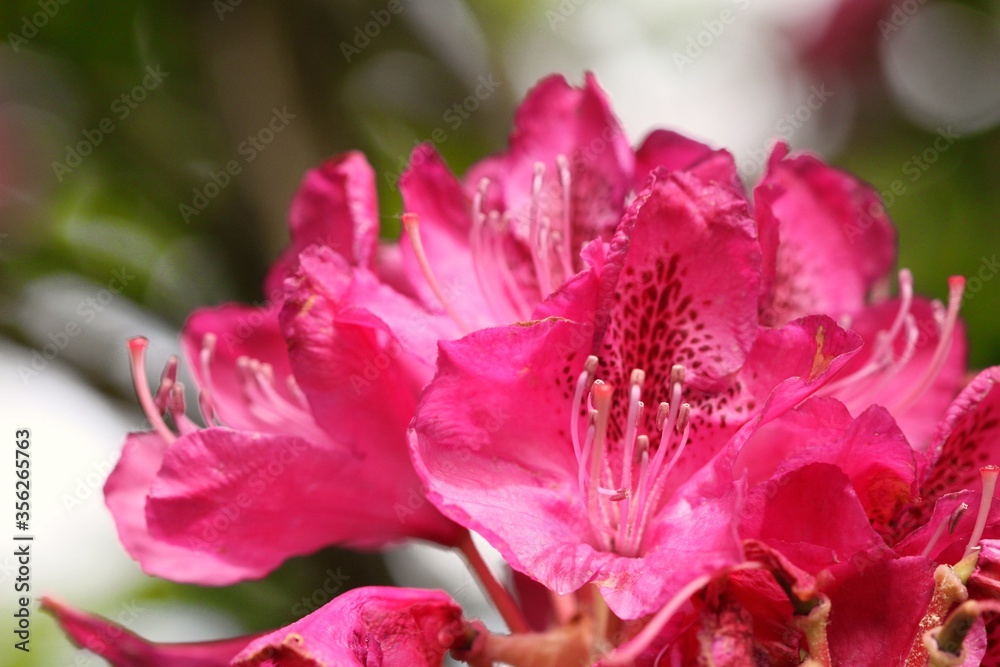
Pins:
<point x="857" y="389"/>
<point x="521" y="255"/>
<point x="621" y="505"/>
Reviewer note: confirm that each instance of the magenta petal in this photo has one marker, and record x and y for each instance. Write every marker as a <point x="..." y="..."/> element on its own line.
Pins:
<point x="121" y="648"/>
<point x="672" y="303"/>
<point x="336" y="207"/>
<point x="783" y="514"/>
<point x="490" y="440"/>
<point x="835" y="239"/>
<point x="254" y="501"/>
<point x="967" y="438"/>
<point x="875" y="613"/>
<point x="675" y="152"/>
<point x="125" y="494"/>
<point x="365" y="627"/>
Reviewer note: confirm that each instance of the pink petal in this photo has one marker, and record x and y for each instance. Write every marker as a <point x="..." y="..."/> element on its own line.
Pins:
<point x="121" y="648"/>
<point x="874" y="614"/>
<point x="125" y="494"/>
<point x="784" y="512"/>
<point x="950" y="546"/>
<point x="252" y="501"/>
<point x="360" y="351"/>
<point x="672" y="304"/>
<point x="967" y="438"/>
<point x="834" y="237"/>
<point x="367" y="627"/>
<point x="496" y="417"/>
<point x="336" y="207"/>
<point x="675" y="152"/>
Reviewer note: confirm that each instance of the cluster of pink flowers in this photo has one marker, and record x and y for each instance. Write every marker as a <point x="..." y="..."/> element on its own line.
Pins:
<point x="692" y="419"/>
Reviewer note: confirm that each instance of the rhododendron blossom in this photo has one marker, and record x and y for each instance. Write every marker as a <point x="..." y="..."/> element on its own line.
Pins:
<point x="690" y="418"/>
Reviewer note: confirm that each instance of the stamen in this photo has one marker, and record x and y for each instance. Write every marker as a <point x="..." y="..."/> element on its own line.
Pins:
<point x="585" y="379"/>
<point x="601" y="394"/>
<point x="950" y="522"/>
<point x="481" y="258"/>
<point x="177" y="407"/>
<point x="565" y="239"/>
<point x="539" y="249"/>
<point x="167" y="380"/>
<point x="498" y="230"/>
<point x="628" y="453"/>
<point x="989" y="474"/>
<point x="206" y="399"/>
<point x="137" y="353"/>
<point x="956" y="287"/>
<point x="411" y="225"/>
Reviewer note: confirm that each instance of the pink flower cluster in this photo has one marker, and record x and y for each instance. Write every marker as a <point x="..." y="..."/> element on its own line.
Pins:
<point x="691" y="418"/>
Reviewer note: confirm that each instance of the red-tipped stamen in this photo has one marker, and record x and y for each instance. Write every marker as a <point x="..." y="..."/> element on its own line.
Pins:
<point x="956" y="287"/>
<point x="412" y="227"/>
<point x="989" y="474"/>
<point x="950" y="522"/>
<point x="137" y="353"/>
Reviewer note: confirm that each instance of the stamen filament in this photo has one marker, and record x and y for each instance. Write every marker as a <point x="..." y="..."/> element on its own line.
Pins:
<point x="602" y="402"/>
<point x="411" y="225"/>
<point x="501" y="597"/>
<point x="566" y="239"/>
<point x="956" y="287"/>
<point x="137" y="352"/>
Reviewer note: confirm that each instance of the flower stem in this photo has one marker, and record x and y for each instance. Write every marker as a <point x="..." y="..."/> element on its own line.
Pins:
<point x="501" y="597"/>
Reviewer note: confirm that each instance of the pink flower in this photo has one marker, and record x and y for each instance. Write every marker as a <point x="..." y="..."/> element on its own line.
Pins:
<point x="228" y="502"/>
<point x="502" y="432"/>
<point x="367" y="627"/>
<point x="828" y="248"/>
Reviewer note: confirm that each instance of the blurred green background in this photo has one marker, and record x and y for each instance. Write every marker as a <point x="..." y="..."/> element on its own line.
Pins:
<point x="163" y="95"/>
